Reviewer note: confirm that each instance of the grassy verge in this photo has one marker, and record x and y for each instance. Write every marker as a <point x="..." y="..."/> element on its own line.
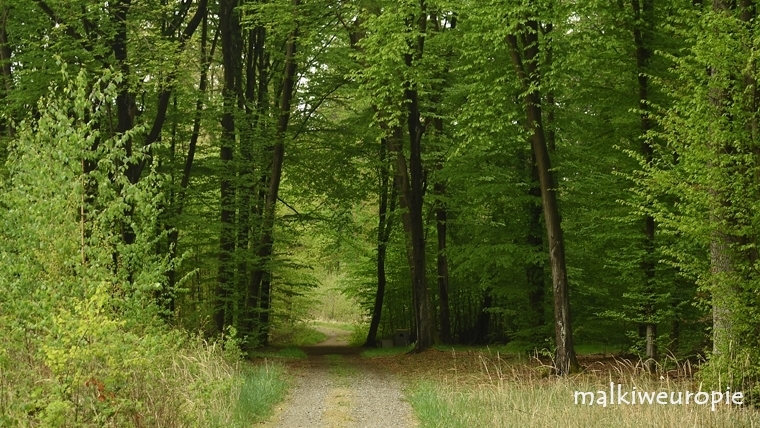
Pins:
<point x="515" y="405"/>
<point x="509" y="394"/>
<point x="296" y="335"/>
<point x="262" y="387"/>
<point x="289" y="352"/>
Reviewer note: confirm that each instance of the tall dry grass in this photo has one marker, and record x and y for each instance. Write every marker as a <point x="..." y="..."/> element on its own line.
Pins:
<point x="508" y="394"/>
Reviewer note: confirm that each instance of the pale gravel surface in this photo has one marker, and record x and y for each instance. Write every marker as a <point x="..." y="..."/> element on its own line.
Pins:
<point x="379" y="401"/>
<point x="343" y="391"/>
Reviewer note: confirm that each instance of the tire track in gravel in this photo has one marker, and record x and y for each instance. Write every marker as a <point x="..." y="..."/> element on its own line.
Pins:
<point x="342" y="391"/>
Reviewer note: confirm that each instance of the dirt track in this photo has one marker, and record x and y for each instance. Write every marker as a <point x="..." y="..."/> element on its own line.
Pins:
<point x="336" y="343"/>
<point x="336" y="388"/>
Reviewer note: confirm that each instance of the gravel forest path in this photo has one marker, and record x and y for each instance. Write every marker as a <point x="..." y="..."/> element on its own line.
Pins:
<point x="335" y="388"/>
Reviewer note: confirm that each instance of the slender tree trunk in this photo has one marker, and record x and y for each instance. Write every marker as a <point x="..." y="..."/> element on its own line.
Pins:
<point x="441" y="217"/>
<point x="266" y="303"/>
<point x="483" y="322"/>
<point x="642" y="14"/>
<point x="228" y="27"/>
<point x="252" y="302"/>
<point x="265" y="245"/>
<point x="168" y="292"/>
<point x="526" y="67"/>
<point x="535" y="270"/>
<point x="439" y="190"/>
<point x="384" y="227"/>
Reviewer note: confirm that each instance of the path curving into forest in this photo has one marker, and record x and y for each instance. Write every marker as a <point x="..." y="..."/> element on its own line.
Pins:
<point x="335" y="388"/>
<point x="335" y="343"/>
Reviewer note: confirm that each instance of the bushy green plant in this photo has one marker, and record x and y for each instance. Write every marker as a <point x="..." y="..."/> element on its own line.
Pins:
<point x="82" y="342"/>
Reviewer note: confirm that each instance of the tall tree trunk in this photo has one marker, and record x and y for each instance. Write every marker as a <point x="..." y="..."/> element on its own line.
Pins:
<point x="439" y="190"/>
<point x="441" y="217"/>
<point x="525" y="62"/>
<point x="173" y="238"/>
<point x="642" y="15"/>
<point x="265" y="244"/>
<point x="722" y="263"/>
<point x="422" y="310"/>
<point x="246" y="181"/>
<point x="384" y="227"/>
<point x="125" y="114"/>
<point x="228" y="27"/>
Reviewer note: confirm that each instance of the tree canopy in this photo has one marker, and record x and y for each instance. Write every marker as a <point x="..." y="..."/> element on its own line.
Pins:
<point x="540" y="173"/>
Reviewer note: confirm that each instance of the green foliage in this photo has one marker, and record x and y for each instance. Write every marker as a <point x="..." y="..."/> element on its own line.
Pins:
<point x="358" y="335"/>
<point x="82" y="338"/>
<point x="703" y="183"/>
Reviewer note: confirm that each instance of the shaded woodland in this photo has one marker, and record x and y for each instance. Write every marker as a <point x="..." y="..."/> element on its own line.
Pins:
<point x="544" y="174"/>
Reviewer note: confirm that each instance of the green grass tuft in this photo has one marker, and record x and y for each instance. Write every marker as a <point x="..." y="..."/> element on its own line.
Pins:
<point x="432" y="409"/>
<point x="262" y="388"/>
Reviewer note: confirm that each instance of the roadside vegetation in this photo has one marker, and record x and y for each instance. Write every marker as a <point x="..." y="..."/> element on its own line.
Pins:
<point x="478" y="388"/>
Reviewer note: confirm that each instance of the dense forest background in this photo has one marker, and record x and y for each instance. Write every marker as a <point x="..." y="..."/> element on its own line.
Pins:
<point x="544" y="173"/>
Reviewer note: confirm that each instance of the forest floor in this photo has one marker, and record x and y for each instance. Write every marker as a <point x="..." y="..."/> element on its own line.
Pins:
<point x="335" y="387"/>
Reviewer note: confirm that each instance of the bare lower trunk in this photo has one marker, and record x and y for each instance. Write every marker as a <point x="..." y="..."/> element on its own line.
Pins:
<point x="535" y="270"/>
<point x="722" y="269"/>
